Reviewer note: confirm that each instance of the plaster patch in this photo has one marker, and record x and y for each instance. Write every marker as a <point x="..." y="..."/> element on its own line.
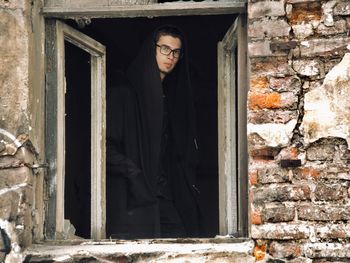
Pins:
<point x="274" y="134"/>
<point x="327" y="108"/>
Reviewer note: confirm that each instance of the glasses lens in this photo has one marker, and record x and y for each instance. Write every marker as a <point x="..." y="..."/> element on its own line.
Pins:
<point x="165" y="50"/>
<point x="176" y="53"/>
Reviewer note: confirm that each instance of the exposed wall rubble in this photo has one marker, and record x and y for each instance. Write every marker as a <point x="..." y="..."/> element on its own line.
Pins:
<point x="17" y="155"/>
<point x="17" y="163"/>
<point x="298" y="129"/>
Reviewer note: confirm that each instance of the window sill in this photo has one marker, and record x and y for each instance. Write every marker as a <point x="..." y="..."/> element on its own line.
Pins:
<point x="155" y="250"/>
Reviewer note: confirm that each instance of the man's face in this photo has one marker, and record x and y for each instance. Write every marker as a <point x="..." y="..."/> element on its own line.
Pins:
<point x="166" y="63"/>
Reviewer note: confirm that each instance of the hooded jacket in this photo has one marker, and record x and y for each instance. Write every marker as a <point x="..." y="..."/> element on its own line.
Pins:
<point x="134" y="131"/>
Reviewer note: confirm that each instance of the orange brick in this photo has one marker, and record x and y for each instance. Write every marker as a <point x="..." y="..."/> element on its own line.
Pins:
<point x="256" y="218"/>
<point x="259" y="252"/>
<point x="309" y="171"/>
<point x="293" y="152"/>
<point x="259" y="83"/>
<point x="265" y="101"/>
<point x="253" y="177"/>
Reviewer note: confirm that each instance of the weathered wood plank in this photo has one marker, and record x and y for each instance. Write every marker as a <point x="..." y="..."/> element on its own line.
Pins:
<point x="150" y="10"/>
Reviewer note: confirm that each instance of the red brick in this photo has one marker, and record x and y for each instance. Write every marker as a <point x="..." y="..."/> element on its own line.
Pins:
<point x="267" y="153"/>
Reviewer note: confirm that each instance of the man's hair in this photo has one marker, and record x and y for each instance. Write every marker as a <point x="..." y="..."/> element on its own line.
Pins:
<point x="169" y="30"/>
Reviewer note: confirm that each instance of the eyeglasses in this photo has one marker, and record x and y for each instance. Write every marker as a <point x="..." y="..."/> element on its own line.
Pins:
<point x="165" y="50"/>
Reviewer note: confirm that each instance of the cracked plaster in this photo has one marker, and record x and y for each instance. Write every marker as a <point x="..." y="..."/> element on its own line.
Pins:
<point x="327" y="109"/>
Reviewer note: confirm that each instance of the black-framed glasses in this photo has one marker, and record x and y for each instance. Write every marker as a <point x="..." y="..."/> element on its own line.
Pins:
<point x="166" y="50"/>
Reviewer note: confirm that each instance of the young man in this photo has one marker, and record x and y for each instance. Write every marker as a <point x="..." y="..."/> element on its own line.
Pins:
<point x="151" y="148"/>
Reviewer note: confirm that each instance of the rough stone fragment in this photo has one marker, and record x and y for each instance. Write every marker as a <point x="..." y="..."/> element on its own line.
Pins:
<point x="12" y="177"/>
<point x="290" y="83"/>
<point x="310" y="85"/>
<point x="259" y="49"/>
<point x="266" y="8"/>
<point x="328" y="13"/>
<point x="274" y="134"/>
<point x="9" y="202"/>
<point x="302" y="31"/>
<point x="338" y="27"/>
<point x="327" y="109"/>
<point x="268" y="28"/>
<point x="321" y="150"/>
<point x="308" y="68"/>
<point x="324" y="47"/>
<point x="342" y="9"/>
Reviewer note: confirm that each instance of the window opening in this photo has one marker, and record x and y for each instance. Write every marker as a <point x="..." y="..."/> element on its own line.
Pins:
<point x="123" y="37"/>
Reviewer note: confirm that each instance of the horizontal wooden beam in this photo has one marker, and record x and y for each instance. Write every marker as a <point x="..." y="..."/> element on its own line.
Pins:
<point x="150" y="10"/>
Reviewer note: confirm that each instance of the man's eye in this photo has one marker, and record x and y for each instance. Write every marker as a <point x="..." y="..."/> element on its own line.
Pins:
<point x="177" y="52"/>
<point x="165" y="48"/>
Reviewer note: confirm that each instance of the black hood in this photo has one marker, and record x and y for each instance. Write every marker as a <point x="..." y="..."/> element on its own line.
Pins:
<point x="144" y="75"/>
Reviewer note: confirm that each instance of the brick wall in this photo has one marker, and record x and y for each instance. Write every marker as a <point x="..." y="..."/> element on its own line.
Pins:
<point x="298" y="129"/>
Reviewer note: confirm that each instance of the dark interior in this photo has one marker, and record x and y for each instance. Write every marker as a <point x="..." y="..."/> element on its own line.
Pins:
<point x="78" y="126"/>
<point x="123" y="37"/>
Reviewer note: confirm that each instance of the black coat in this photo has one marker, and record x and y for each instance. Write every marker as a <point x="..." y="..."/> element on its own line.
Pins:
<point x="134" y="130"/>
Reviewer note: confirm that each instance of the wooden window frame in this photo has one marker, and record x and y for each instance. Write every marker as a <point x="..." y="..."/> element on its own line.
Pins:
<point x="56" y="34"/>
<point x="232" y="141"/>
<point x="232" y="94"/>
